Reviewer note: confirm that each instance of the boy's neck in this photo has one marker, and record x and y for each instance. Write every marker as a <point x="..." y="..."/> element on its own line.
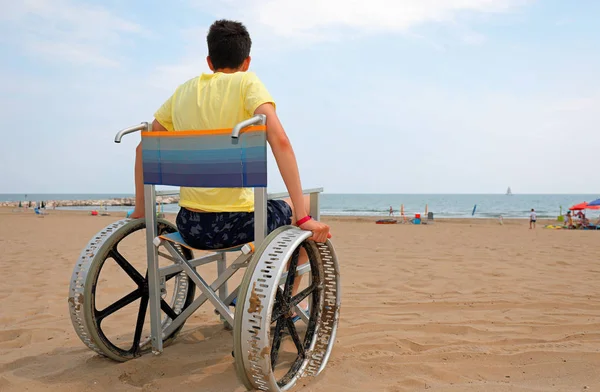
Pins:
<point x="228" y="70"/>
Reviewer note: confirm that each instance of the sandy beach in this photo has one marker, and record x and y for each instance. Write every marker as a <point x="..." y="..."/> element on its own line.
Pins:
<point x="460" y="305"/>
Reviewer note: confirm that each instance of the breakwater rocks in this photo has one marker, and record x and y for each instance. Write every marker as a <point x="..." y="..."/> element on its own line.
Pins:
<point x="125" y="201"/>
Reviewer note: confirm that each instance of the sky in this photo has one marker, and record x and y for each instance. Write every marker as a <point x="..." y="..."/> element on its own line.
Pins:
<point x="384" y="96"/>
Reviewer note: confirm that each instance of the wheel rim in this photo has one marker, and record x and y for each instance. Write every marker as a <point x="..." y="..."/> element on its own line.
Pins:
<point x="91" y="324"/>
<point x="261" y="299"/>
<point x="282" y="317"/>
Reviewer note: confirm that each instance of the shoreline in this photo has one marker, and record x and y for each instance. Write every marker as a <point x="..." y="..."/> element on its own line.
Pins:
<point x="168" y="203"/>
<point x="324" y="217"/>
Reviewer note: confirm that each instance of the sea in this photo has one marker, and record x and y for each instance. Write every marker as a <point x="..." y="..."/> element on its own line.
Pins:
<point x="441" y="205"/>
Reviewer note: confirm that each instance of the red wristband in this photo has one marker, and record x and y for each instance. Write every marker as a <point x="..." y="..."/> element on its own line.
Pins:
<point x="303" y="220"/>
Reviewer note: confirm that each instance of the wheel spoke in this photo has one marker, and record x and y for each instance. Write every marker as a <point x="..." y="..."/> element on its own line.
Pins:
<point x="120" y="304"/>
<point x="289" y="282"/>
<point x="294" y="334"/>
<point x="279" y="308"/>
<point x="277" y="335"/>
<point x="303" y="294"/>
<point x="127" y="267"/>
<point x="167" y="309"/>
<point x="139" y="324"/>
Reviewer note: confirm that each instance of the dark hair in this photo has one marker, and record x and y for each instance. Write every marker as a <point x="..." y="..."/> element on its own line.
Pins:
<point x="228" y="44"/>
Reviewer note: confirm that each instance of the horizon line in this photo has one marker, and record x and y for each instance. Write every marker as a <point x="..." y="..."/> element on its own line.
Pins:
<point x="330" y="193"/>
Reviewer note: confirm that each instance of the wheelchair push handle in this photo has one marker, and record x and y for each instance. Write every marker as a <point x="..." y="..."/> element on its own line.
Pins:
<point x="257" y="119"/>
<point x="141" y="127"/>
<point x="145" y="126"/>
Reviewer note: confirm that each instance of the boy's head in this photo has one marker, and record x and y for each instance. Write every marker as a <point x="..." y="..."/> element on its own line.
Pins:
<point x="228" y="46"/>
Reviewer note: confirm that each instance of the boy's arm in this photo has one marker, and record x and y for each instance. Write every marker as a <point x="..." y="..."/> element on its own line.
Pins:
<point x="285" y="157"/>
<point x="288" y="167"/>
<point x="139" y="209"/>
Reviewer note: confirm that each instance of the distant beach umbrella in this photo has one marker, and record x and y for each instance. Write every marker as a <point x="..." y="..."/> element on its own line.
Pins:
<point x="579" y="207"/>
<point x="594" y="203"/>
<point x="586" y="206"/>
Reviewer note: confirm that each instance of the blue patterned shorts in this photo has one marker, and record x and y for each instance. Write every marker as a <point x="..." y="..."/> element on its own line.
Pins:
<point x="218" y="230"/>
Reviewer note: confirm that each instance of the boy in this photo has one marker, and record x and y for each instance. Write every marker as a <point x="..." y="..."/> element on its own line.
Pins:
<point x="213" y="218"/>
<point x="532" y="219"/>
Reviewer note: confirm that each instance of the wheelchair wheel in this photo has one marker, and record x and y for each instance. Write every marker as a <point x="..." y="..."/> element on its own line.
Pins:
<point x="109" y="288"/>
<point x="272" y="350"/>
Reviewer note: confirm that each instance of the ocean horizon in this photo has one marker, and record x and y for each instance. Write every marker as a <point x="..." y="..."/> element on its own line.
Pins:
<point x="363" y="204"/>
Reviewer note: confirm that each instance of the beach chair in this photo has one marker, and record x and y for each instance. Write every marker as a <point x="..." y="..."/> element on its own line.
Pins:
<point x="263" y="303"/>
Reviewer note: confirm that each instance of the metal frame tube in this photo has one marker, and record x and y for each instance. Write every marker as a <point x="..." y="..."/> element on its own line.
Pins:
<point x="208" y="291"/>
<point x="260" y="194"/>
<point x="221" y="268"/>
<point x="315" y="210"/>
<point x="174" y="268"/>
<point x="260" y="215"/>
<point x="153" y="272"/>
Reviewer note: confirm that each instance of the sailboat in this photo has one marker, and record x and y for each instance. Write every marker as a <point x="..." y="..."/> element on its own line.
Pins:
<point x="508" y="192"/>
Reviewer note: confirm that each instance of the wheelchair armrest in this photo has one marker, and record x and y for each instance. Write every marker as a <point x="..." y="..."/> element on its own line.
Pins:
<point x="314" y="199"/>
<point x="283" y="195"/>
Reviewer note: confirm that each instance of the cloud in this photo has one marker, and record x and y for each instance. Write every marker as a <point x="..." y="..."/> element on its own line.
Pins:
<point x="67" y="31"/>
<point x="280" y="25"/>
<point x="193" y="61"/>
<point x="579" y="104"/>
<point x="316" y="20"/>
<point x="473" y="38"/>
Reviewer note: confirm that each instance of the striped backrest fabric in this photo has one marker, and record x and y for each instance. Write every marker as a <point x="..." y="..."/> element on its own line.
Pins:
<point x="206" y="159"/>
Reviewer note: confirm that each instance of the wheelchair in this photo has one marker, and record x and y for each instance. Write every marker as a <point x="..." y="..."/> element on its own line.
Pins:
<point x="267" y="314"/>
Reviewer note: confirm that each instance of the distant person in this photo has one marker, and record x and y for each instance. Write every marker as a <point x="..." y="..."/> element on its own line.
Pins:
<point x="391" y="211"/>
<point x="585" y="222"/>
<point x="569" y="220"/>
<point x="532" y="219"/>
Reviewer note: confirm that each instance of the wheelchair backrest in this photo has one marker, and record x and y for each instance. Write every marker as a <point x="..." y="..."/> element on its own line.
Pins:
<point x="206" y="158"/>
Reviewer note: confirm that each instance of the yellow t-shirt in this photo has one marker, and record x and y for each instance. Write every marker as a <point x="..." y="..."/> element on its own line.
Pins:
<point x="214" y="101"/>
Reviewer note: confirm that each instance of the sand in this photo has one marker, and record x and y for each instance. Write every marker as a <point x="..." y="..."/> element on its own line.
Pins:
<point x="460" y="305"/>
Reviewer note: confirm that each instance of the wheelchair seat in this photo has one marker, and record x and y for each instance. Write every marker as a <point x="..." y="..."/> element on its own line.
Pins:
<point x="177" y="239"/>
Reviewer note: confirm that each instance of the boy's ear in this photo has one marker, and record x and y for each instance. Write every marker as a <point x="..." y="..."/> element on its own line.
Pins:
<point x="210" y="64"/>
<point x="246" y="64"/>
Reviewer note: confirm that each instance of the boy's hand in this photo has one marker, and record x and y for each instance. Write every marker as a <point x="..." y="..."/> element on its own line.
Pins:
<point x="320" y="230"/>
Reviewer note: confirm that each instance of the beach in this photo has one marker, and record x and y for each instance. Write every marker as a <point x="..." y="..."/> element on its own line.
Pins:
<point x="458" y="305"/>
